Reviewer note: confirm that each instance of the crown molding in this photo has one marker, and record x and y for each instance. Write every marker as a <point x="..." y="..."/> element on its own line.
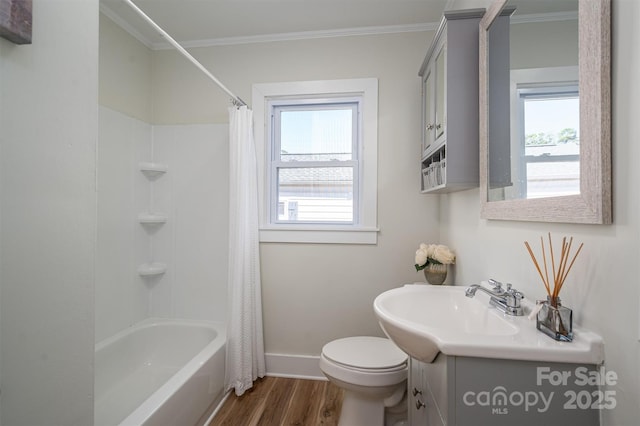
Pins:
<point x="265" y="38"/>
<point x="302" y="35"/>
<point x="306" y="35"/>
<point x="109" y="13"/>
<point x="545" y="17"/>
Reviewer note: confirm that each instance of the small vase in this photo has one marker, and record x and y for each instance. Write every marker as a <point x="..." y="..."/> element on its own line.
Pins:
<point x="435" y="273"/>
<point x="555" y="320"/>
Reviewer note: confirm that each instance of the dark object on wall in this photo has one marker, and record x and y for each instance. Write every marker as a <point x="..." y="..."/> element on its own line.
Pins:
<point x="15" y="21"/>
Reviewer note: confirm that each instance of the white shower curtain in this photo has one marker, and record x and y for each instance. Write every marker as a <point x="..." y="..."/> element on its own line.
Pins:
<point x="245" y="348"/>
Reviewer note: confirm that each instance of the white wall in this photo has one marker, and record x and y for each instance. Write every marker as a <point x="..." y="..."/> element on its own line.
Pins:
<point x="121" y="298"/>
<point x="48" y="131"/>
<point x="603" y="287"/>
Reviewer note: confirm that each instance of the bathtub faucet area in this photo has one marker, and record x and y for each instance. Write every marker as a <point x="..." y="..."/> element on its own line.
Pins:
<point x="507" y="301"/>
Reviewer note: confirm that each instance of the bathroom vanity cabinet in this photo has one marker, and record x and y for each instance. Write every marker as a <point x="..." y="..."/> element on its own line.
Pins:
<point x="469" y="391"/>
<point x="450" y="160"/>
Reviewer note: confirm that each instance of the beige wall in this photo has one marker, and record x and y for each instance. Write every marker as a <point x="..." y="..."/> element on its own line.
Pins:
<point x="48" y="131"/>
<point x="183" y="94"/>
<point x="125" y="72"/>
<point x="603" y="286"/>
<point x="544" y="44"/>
<point x="315" y="293"/>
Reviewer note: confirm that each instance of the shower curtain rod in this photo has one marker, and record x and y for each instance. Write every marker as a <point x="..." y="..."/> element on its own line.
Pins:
<point x="234" y="99"/>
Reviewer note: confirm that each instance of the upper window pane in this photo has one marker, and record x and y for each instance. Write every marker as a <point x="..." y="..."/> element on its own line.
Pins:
<point x="324" y="134"/>
<point x="551" y="120"/>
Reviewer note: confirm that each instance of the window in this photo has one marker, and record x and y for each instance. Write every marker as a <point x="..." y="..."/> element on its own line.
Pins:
<point x="314" y="161"/>
<point x="550" y="140"/>
<point x="319" y="160"/>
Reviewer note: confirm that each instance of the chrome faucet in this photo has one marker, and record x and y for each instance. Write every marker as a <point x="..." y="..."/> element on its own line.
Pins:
<point x="507" y="301"/>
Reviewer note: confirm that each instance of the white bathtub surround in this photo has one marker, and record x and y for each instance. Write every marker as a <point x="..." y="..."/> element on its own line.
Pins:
<point x="179" y="219"/>
<point x="193" y="241"/>
<point x="160" y="372"/>
<point x="245" y="360"/>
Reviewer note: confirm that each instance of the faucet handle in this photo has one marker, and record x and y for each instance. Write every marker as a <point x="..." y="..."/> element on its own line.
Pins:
<point x="497" y="285"/>
<point x="516" y="294"/>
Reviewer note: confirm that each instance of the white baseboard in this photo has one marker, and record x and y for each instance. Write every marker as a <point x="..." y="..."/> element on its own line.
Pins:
<point x="294" y="366"/>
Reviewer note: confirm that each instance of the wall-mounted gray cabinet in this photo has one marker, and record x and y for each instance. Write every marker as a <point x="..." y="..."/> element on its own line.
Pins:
<point x="469" y="391"/>
<point x="450" y="105"/>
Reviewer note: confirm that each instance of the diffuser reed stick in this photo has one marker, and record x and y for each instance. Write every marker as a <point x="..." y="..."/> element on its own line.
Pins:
<point x="535" y="262"/>
<point x="559" y="271"/>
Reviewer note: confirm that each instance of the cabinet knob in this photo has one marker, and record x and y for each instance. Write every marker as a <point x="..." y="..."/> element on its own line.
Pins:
<point x="416" y="392"/>
<point x="438" y="126"/>
<point x="429" y="126"/>
<point x="419" y="404"/>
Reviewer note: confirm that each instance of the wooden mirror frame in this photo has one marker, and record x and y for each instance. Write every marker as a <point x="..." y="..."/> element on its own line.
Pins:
<point x="593" y="204"/>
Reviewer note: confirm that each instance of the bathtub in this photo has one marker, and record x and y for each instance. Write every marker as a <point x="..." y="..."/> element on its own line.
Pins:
<point x="160" y="372"/>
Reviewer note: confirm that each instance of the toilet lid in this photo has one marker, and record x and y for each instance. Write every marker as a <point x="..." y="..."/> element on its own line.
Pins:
<point x="365" y="352"/>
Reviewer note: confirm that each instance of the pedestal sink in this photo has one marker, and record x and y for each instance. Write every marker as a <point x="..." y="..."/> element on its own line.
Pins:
<point x="424" y="320"/>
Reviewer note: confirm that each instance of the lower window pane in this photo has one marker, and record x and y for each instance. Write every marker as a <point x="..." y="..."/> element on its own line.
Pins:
<point x="315" y="194"/>
<point x="553" y="179"/>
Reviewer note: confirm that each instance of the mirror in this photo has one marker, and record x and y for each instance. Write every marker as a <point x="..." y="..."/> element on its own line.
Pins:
<point x="545" y="111"/>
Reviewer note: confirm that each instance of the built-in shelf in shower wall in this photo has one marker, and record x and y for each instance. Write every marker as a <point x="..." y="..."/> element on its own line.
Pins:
<point x="152" y="220"/>
<point x="154" y="268"/>
<point x="153" y="170"/>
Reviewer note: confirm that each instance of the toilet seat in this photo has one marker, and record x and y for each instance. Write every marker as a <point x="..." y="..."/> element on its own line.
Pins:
<point x="366" y="354"/>
<point x="371" y="371"/>
<point x="367" y="370"/>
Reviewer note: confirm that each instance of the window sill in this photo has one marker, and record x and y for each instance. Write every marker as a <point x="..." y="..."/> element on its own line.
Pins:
<point x="316" y="235"/>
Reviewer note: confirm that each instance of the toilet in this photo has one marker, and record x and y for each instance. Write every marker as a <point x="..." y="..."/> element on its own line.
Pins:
<point x="372" y="371"/>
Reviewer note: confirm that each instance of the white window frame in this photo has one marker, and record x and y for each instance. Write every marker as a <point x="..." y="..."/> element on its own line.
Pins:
<point x="364" y="228"/>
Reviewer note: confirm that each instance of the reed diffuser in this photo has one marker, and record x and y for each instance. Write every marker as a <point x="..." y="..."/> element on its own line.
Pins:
<point x="552" y="318"/>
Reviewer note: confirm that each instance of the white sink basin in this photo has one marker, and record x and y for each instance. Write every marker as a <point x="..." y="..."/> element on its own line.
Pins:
<point x="424" y="320"/>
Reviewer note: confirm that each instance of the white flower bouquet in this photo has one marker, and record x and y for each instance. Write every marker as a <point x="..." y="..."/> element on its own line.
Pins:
<point x="433" y="254"/>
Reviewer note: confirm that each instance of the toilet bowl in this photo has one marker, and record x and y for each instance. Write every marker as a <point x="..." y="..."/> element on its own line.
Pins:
<point x="372" y="371"/>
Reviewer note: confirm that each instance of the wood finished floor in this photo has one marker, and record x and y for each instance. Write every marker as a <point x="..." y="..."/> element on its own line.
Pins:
<point x="278" y="401"/>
